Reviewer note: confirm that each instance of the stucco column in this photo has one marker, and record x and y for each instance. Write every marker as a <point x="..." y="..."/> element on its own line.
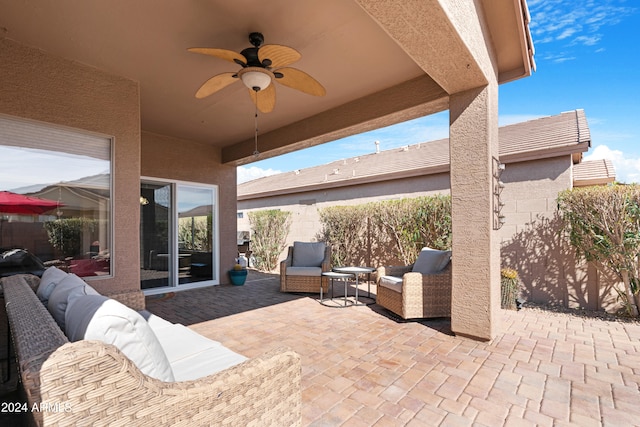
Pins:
<point x="473" y="137"/>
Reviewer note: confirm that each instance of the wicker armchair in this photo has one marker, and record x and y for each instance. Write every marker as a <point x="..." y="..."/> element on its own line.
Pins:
<point x="302" y="271"/>
<point x="411" y="294"/>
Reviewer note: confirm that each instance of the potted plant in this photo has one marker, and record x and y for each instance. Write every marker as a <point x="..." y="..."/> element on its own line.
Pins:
<point x="509" y="287"/>
<point x="238" y="275"/>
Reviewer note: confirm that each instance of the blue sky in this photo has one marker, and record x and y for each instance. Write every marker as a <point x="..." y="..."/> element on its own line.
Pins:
<point x="587" y="58"/>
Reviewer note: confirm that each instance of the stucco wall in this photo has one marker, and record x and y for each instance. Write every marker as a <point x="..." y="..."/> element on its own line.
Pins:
<point x="42" y="87"/>
<point x="179" y="159"/>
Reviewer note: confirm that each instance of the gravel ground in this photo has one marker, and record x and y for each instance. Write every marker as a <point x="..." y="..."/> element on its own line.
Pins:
<point x="590" y="314"/>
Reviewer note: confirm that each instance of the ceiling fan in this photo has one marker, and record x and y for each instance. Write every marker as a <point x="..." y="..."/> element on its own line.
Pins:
<point x="261" y="66"/>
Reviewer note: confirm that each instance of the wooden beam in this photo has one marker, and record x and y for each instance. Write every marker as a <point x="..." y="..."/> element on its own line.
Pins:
<point x="414" y="98"/>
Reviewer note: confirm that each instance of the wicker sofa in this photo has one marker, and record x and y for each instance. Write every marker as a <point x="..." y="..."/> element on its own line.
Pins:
<point x="302" y="270"/>
<point x="88" y="382"/>
<point x="419" y="290"/>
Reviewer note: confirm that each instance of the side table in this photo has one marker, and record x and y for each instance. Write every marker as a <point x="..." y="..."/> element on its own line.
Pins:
<point x="342" y="276"/>
<point x="357" y="271"/>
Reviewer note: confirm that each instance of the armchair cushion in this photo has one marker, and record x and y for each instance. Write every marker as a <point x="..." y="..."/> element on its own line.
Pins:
<point x="431" y="261"/>
<point x="308" y="254"/>
<point x="391" y="282"/>
<point x="304" y="271"/>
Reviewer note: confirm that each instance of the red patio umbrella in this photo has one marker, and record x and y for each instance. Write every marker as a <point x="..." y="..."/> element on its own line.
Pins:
<point x="19" y="204"/>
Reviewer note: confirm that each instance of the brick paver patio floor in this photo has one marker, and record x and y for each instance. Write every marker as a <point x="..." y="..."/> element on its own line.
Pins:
<point x="363" y="367"/>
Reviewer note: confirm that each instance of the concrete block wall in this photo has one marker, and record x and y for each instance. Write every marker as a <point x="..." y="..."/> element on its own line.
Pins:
<point x="529" y="238"/>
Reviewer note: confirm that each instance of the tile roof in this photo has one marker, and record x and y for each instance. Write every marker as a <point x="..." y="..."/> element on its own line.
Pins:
<point x="566" y="133"/>
<point x="593" y="172"/>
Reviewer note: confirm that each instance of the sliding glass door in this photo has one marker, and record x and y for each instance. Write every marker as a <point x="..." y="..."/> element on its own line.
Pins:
<point x="156" y="249"/>
<point x="195" y="233"/>
<point x="178" y="235"/>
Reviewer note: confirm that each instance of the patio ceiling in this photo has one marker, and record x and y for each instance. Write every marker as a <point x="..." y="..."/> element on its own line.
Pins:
<point x="380" y="62"/>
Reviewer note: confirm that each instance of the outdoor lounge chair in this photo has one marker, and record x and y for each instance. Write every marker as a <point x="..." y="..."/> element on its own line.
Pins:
<point x="420" y="290"/>
<point x="113" y="363"/>
<point x="302" y="270"/>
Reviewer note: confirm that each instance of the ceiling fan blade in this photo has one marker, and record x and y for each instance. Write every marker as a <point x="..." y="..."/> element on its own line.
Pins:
<point x="227" y="55"/>
<point x="279" y="55"/>
<point x="299" y="80"/>
<point x="265" y="99"/>
<point x="216" y="83"/>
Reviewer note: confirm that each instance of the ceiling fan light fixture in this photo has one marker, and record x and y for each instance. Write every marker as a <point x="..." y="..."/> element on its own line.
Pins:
<point x="255" y="78"/>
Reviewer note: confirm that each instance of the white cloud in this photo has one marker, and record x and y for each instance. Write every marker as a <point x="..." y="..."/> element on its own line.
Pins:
<point x="566" y="33"/>
<point x="24" y="167"/>
<point x="576" y="23"/>
<point x="253" y="172"/>
<point x="587" y="40"/>
<point x="627" y="168"/>
<point x="564" y="59"/>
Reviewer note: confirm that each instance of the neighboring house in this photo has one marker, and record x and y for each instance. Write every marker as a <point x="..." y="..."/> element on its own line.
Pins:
<point x="542" y="158"/>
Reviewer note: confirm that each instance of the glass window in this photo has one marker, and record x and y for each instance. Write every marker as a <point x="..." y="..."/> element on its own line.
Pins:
<point x="56" y="195"/>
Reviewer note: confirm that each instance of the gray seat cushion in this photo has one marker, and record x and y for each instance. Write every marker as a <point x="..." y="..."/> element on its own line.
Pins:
<point x="304" y="271"/>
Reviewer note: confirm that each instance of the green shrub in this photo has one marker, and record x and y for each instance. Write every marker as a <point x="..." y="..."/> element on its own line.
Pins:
<point x="404" y="226"/>
<point x="66" y="234"/>
<point x="344" y="229"/>
<point x="603" y="224"/>
<point x="269" y="230"/>
<point x="411" y="224"/>
<point x="195" y="233"/>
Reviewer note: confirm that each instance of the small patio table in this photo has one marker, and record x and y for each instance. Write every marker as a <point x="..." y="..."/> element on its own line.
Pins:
<point x="357" y="271"/>
<point x="335" y="275"/>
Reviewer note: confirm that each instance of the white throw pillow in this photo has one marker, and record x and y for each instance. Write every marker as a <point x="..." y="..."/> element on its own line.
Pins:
<point x="431" y="261"/>
<point x="308" y="254"/>
<point x="49" y="280"/>
<point x="69" y="288"/>
<point x="96" y="317"/>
